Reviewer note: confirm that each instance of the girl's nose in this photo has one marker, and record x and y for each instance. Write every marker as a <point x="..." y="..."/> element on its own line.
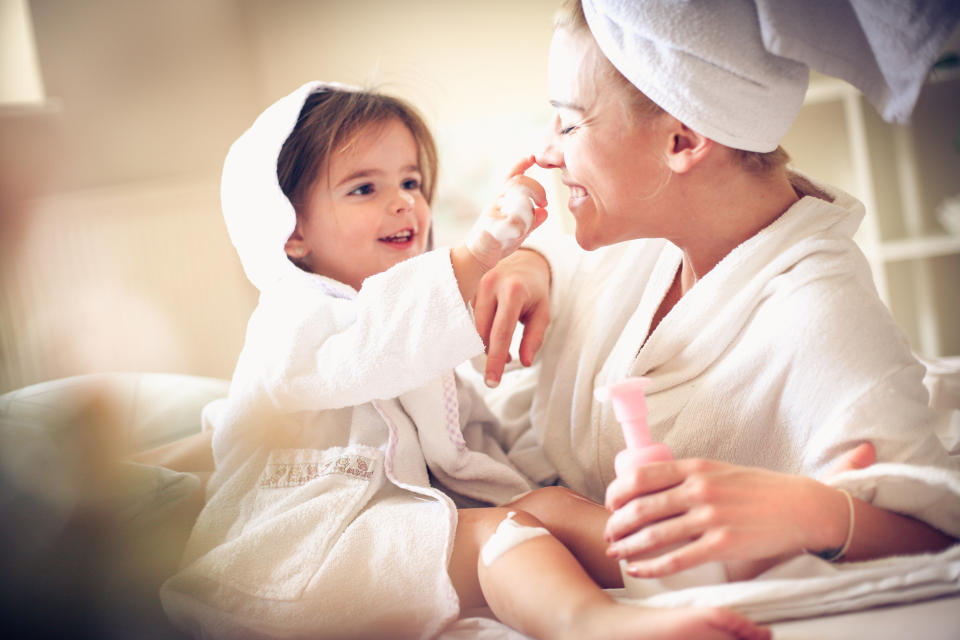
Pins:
<point x="403" y="202"/>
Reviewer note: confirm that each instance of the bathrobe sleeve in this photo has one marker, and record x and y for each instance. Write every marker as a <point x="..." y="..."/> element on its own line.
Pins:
<point x="311" y="351"/>
<point x="855" y="379"/>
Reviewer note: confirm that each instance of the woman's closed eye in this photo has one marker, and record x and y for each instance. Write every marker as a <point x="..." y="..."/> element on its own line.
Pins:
<point x="566" y="130"/>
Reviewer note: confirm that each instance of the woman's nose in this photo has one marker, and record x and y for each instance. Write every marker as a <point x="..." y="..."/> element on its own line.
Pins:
<point x="550" y="156"/>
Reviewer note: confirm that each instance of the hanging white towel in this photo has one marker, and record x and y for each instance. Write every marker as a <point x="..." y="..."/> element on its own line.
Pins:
<point x="885" y="48"/>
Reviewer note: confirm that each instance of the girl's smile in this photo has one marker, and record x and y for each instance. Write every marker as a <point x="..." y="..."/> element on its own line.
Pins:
<point x="373" y="216"/>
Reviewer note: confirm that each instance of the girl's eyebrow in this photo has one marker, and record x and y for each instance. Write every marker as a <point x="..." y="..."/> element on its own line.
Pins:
<point x="362" y="173"/>
<point x="366" y="173"/>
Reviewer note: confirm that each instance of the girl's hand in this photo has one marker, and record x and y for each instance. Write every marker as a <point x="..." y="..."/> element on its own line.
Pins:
<point x="717" y="512"/>
<point x="501" y="229"/>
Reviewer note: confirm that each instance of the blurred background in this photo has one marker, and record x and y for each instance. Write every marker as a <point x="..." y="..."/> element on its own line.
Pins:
<point x="115" y="116"/>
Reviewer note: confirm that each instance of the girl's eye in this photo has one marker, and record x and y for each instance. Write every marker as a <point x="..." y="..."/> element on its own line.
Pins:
<point x="412" y="184"/>
<point x="362" y="190"/>
<point x="565" y="130"/>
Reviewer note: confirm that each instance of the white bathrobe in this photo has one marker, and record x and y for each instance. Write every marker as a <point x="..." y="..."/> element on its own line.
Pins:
<point x="321" y="521"/>
<point x="782" y="356"/>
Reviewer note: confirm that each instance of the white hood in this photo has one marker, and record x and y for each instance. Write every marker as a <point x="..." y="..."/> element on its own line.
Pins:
<point x="259" y="216"/>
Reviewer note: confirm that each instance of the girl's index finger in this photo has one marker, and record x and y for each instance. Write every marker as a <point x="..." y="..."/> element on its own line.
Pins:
<point x="521" y="166"/>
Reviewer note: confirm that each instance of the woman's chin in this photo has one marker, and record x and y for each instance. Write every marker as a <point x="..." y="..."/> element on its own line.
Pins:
<point x="585" y="239"/>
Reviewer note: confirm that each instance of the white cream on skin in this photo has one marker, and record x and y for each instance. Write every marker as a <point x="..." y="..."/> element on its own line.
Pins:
<point x="516" y="205"/>
<point x="509" y="534"/>
<point x="495" y="237"/>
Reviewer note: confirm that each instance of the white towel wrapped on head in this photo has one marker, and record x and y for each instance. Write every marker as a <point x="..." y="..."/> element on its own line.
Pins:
<point x="737" y="70"/>
<point x="705" y="64"/>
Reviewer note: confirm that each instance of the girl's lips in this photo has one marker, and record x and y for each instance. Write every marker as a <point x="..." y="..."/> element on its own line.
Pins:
<point x="400" y="240"/>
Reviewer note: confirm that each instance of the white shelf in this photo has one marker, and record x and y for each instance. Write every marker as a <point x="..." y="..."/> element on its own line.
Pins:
<point x="900" y="172"/>
<point x="826" y="89"/>
<point x="917" y="248"/>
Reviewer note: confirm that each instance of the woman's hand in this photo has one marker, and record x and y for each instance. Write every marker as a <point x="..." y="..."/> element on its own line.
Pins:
<point x="516" y="290"/>
<point x="717" y="512"/>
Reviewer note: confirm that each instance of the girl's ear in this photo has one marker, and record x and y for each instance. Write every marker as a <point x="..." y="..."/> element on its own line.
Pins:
<point x="295" y="247"/>
<point x="686" y="148"/>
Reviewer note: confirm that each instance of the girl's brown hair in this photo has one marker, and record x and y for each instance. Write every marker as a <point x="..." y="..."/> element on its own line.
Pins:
<point x="329" y="121"/>
<point x="570" y="17"/>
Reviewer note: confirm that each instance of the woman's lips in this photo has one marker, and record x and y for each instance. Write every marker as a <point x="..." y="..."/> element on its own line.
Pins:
<point x="577" y="195"/>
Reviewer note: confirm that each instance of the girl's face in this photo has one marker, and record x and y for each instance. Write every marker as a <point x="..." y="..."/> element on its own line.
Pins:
<point x="608" y="159"/>
<point x="366" y="213"/>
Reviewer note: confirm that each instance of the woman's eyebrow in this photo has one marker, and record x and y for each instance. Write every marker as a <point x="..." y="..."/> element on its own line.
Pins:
<point x="559" y="104"/>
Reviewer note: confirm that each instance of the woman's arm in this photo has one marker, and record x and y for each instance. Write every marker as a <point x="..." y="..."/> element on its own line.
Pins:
<point x="730" y="513"/>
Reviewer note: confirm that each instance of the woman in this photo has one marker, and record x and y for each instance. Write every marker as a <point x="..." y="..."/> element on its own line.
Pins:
<point x="731" y="282"/>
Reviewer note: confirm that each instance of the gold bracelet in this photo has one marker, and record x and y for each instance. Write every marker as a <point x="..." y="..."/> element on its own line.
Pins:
<point x="832" y="554"/>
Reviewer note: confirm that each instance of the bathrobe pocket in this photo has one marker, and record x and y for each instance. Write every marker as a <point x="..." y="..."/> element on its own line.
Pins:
<point x="302" y="502"/>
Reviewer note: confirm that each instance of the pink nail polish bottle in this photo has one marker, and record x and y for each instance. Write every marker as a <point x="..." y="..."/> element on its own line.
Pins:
<point x="630" y="407"/>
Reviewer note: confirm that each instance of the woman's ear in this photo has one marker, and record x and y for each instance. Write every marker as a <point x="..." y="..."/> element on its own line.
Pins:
<point x="686" y="148"/>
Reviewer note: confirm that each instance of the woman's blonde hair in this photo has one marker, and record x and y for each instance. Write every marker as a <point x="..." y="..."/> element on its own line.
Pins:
<point x="570" y="17"/>
<point x="329" y="120"/>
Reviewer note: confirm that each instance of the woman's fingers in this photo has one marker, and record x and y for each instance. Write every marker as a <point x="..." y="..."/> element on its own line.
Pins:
<point x="516" y="290"/>
<point x="535" y="324"/>
<point x="504" y="323"/>
<point x="650" y="478"/>
<point x="860" y="457"/>
<point x="642" y="511"/>
<point x="694" y="552"/>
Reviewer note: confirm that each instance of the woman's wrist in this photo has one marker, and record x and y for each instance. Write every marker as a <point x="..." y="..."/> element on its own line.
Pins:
<point x="830" y="533"/>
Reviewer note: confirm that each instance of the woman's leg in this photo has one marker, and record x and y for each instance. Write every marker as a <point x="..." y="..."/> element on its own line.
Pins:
<point x="539" y="588"/>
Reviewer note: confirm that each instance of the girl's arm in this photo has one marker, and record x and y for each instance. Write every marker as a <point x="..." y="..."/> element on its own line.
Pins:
<point x="406" y="326"/>
<point x="501" y="229"/>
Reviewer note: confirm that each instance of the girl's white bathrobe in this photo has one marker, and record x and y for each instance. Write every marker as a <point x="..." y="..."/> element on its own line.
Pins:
<point x="320" y="520"/>
<point x="783" y="356"/>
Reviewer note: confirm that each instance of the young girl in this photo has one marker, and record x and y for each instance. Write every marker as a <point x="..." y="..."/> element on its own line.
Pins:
<point x="346" y="430"/>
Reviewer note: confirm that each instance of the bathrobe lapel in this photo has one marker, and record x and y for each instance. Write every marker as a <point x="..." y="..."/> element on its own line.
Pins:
<point x="711" y="315"/>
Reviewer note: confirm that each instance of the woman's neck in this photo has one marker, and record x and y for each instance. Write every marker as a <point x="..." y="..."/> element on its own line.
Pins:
<point x="727" y="211"/>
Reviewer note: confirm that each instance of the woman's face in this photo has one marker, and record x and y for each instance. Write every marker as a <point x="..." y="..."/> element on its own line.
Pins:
<point x="609" y="160"/>
<point x="367" y="212"/>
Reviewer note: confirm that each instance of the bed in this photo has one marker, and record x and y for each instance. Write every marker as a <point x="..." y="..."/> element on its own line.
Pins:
<point x="94" y="535"/>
